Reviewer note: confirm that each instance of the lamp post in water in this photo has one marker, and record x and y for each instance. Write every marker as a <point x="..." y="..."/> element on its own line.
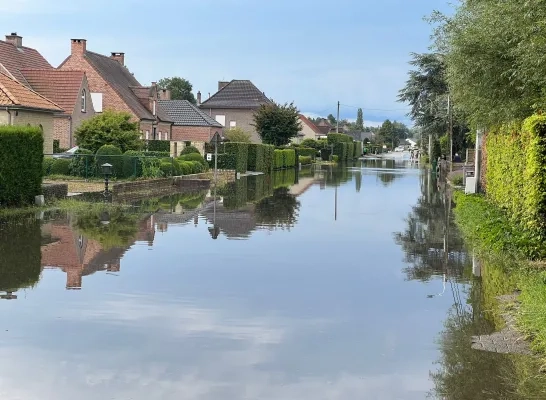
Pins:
<point x="106" y="171"/>
<point x="216" y="139"/>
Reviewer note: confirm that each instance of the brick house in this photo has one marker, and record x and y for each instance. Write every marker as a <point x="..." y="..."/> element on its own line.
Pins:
<point x="190" y="124"/>
<point x="234" y="105"/>
<point x="113" y="87"/>
<point x="308" y="130"/>
<point x="20" y="105"/>
<point x="69" y="90"/>
<point x="31" y="69"/>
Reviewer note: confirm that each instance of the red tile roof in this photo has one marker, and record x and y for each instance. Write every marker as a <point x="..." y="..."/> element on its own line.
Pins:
<point x="61" y="87"/>
<point x="13" y="93"/>
<point x="307" y="122"/>
<point x="14" y="59"/>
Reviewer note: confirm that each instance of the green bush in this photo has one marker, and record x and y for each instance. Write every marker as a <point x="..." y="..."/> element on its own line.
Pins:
<point x="225" y="161"/>
<point x="189" y="150"/>
<point x="515" y="176"/>
<point x="151" y="167"/>
<point x="112" y="155"/>
<point x="268" y="157"/>
<point x="305" y="160"/>
<point x="46" y="165"/>
<point x="325" y="154"/>
<point x="307" y="151"/>
<point x="132" y="164"/>
<point x="311" y="143"/>
<point x="185" y="167"/>
<point x="335" y="158"/>
<point x="166" y="168"/>
<point x="158" y="154"/>
<point x="196" y="167"/>
<point x="334" y="138"/>
<point x="21" y="169"/>
<point x="82" y="164"/>
<point x="61" y="166"/>
<point x="194" y="157"/>
<point x="159" y="145"/>
<point x="240" y="150"/>
<point x="340" y="150"/>
<point x="289" y="158"/>
<point x="257" y="157"/>
<point x="278" y="159"/>
<point x="350" y="151"/>
<point x="358" y="149"/>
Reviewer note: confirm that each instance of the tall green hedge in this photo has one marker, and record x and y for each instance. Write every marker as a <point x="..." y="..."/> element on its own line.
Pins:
<point x="307" y="151"/>
<point x="159" y="145"/>
<point x="340" y="150"/>
<point x="289" y="158"/>
<point x="350" y="151"/>
<point x="358" y="149"/>
<point x="334" y="138"/>
<point x="268" y="157"/>
<point x="240" y="150"/>
<point x="515" y="175"/>
<point x="21" y="158"/>
<point x="256" y="157"/>
<point x="278" y="159"/>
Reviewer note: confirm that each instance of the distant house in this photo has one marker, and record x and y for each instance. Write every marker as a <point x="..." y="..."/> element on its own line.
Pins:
<point x="69" y="90"/>
<point x="20" y="105"/>
<point x="325" y="127"/>
<point x="308" y="130"/>
<point x="190" y="124"/>
<point x="113" y="87"/>
<point x="361" y="135"/>
<point x="234" y="105"/>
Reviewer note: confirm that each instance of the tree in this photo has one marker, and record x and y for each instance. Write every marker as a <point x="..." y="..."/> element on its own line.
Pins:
<point x="332" y="119"/>
<point x="359" y="120"/>
<point x="238" y="135"/>
<point x="109" y="127"/>
<point x="277" y="124"/>
<point x="386" y="133"/>
<point x="181" y="89"/>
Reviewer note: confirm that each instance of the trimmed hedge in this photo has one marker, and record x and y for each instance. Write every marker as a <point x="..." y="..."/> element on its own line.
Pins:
<point x="340" y="150"/>
<point x="358" y="149"/>
<point x="325" y="154"/>
<point x="46" y="165"/>
<point x="307" y="151"/>
<point x="132" y="164"/>
<point x="350" y="151"/>
<point x="189" y="150"/>
<point x="278" y="159"/>
<point x="240" y="150"/>
<point x="225" y="161"/>
<point x="159" y="145"/>
<point x="193" y="157"/>
<point x="158" y="154"/>
<point x="515" y="176"/>
<point x="269" y="151"/>
<point x="289" y="158"/>
<point x="60" y="166"/>
<point x="306" y="160"/>
<point x="21" y="169"/>
<point x="256" y="157"/>
<point x="109" y="153"/>
<point x="167" y="168"/>
<point x="334" y="138"/>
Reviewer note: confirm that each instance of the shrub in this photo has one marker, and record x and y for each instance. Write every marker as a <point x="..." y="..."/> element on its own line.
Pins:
<point x="311" y="143"/>
<point x="225" y="161"/>
<point x="189" y="149"/>
<point x="289" y="158"/>
<point x="268" y="157"/>
<point x="151" y="167"/>
<point x="350" y="151"/>
<point x="21" y="169"/>
<point x="185" y="167"/>
<point x="340" y="150"/>
<point x="159" y="145"/>
<point x="305" y="160"/>
<point x="256" y="157"/>
<point x="166" y="168"/>
<point x="196" y="167"/>
<point x="112" y="155"/>
<point x="132" y="164"/>
<point x="238" y="135"/>
<point x="278" y="159"/>
<point x="193" y="157"/>
<point x="325" y="154"/>
<point x="240" y="150"/>
<point x="46" y="165"/>
<point x="60" y="166"/>
<point x="57" y="148"/>
<point x="158" y="154"/>
<point x="358" y="149"/>
<point x="335" y="158"/>
<point x="82" y="164"/>
<point x="307" y="151"/>
<point x="334" y="138"/>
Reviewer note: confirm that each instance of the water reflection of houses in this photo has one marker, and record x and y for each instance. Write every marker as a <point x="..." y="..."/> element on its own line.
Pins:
<point x="65" y="248"/>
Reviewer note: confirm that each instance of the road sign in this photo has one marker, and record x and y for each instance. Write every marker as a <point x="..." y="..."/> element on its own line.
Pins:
<point x="209" y="156"/>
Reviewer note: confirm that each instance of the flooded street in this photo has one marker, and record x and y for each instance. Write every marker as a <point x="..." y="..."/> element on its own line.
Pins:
<point x="337" y="283"/>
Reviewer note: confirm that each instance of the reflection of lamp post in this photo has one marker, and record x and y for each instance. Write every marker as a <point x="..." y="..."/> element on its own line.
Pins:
<point x="8" y="296"/>
<point x="105" y="218"/>
<point x="430" y="296"/>
<point x="106" y="171"/>
<point x="216" y="139"/>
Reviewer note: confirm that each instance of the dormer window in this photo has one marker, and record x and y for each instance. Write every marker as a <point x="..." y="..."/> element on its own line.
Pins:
<point x="84" y="102"/>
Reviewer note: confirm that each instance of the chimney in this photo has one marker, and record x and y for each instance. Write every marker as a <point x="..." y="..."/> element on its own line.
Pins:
<point x="164" y="94"/>
<point x="15" y="39"/>
<point x="119" y="57"/>
<point x="198" y="98"/>
<point x="222" y="84"/>
<point x="78" y="47"/>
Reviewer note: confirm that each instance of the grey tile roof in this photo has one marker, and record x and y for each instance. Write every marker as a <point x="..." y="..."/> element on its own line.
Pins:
<point x="121" y="80"/>
<point x="182" y="112"/>
<point x="143" y="93"/>
<point x="237" y="94"/>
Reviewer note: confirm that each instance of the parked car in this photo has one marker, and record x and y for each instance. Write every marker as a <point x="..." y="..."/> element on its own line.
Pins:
<point x="67" y="154"/>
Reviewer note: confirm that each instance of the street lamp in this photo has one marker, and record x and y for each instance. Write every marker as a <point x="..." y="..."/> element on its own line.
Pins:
<point x="107" y="172"/>
<point x="216" y="140"/>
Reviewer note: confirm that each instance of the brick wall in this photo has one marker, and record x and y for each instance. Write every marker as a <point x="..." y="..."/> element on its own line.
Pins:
<point x="61" y="131"/>
<point x="243" y="119"/>
<point x="78" y="116"/>
<point x="193" y="133"/>
<point x="37" y="119"/>
<point x="164" y="128"/>
<point x="146" y="126"/>
<point x="177" y="147"/>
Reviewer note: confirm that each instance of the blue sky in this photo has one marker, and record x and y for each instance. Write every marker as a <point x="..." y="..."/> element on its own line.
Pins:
<point x="312" y="52"/>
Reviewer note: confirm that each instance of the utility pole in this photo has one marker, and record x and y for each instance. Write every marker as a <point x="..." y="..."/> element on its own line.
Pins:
<point x="337" y="121"/>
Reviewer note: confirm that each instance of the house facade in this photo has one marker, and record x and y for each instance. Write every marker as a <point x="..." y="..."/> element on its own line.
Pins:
<point x="30" y="68"/>
<point x="234" y="105"/>
<point x="113" y="87"/>
<point x="308" y="130"/>
<point x="20" y="105"/>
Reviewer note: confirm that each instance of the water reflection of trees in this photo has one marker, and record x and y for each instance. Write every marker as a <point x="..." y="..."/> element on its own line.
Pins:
<point x="20" y="256"/>
<point x="279" y="210"/>
<point x="431" y="243"/>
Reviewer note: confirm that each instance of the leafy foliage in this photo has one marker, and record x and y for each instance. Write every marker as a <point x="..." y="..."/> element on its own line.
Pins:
<point x="189" y="150"/>
<point x="240" y="151"/>
<point x="159" y="145"/>
<point x="21" y="159"/>
<point x="181" y="89"/>
<point x="112" y="155"/>
<point x="109" y="127"/>
<point x="359" y="125"/>
<point x="238" y="135"/>
<point x="305" y="160"/>
<point x="277" y="124"/>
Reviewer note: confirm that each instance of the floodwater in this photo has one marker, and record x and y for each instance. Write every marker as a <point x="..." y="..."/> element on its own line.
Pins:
<point x="335" y="283"/>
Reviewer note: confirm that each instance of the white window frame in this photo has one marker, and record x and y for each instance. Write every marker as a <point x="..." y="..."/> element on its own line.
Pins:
<point x="159" y="135"/>
<point x="232" y="124"/>
<point x="221" y="119"/>
<point x="147" y="135"/>
<point x="84" y="101"/>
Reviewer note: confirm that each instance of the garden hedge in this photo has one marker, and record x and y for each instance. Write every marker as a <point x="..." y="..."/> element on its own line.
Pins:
<point x="325" y="154"/>
<point x="193" y="157"/>
<point x="334" y="138"/>
<point x="21" y="169"/>
<point x="307" y="151"/>
<point x="159" y="145"/>
<point x="515" y="178"/>
<point x="225" y="161"/>
<point x="278" y="159"/>
<point x="132" y="164"/>
<point x="305" y="160"/>
<point x="110" y="154"/>
<point x="269" y="154"/>
<point x="289" y="158"/>
<point x="189" y="150"/>
<point x="82" y="164"/>
<point x="350" y="151"/>
<point x="240" y="150"/>
<point x="46" y="165"/>
<point x="60" y="166"/>
<point x="256" y="157"/>
<point x="340" y="150"/>
<point x="358" y="149"/>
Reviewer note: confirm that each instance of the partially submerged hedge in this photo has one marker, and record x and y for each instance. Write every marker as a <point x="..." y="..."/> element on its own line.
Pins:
<point x="516" y="174"/>
<point x="21" y="169"/>
<point x="240" y="151"/>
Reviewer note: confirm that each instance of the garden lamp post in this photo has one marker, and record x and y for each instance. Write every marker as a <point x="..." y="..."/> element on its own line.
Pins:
<point x="107" y="172"/>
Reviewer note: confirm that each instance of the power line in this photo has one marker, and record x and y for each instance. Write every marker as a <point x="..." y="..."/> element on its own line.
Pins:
<point x="379" y="109"/>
